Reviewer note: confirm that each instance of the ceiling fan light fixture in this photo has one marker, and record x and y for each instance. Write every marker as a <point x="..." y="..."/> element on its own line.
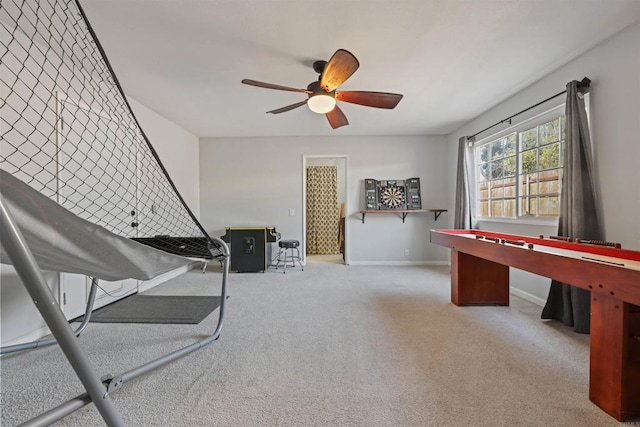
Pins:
<point x="322" y="93"/>
<point x="321" y="104"/>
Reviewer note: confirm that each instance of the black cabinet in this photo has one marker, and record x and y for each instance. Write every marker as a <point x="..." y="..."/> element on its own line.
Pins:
<point x="250" y="247"/>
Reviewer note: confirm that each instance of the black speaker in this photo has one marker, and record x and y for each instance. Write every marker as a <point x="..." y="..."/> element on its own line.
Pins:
<point x="414" y="200"/>
<point x="250" y="247"/>
<point x="370" y="194"/>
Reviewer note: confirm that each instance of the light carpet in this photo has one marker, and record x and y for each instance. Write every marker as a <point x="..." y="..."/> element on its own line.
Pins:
<point x="333" y="345"/>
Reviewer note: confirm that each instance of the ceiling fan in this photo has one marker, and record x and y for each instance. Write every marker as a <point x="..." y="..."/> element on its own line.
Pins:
<point x="322" y="94"/>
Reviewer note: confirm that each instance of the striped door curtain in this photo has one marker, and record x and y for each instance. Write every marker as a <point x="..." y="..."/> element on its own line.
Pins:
<point x="323" y="215"/>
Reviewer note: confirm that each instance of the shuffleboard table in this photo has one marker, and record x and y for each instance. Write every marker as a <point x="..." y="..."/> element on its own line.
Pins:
<point x="480" y="264"/>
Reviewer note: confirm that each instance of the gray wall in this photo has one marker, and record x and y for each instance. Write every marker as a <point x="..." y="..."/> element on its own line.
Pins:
<point x="255" y="181"/>
<point x="614" y="68"/>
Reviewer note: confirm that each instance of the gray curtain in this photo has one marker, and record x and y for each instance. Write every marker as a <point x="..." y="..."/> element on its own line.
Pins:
<point x="465" y="185"/>
<point x="578" y="211"/>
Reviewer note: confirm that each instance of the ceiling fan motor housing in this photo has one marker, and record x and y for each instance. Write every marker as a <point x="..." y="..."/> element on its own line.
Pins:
<point x="317" y="90"/>
<point x="318" y="66"/>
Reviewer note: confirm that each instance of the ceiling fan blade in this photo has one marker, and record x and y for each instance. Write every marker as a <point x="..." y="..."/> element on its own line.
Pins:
<point x="337" y="118"/>
<point x="288" y="107"/>
<point x="370" y="99"/>
<point x="339" y="68"/>
<point x="272" y="86"/>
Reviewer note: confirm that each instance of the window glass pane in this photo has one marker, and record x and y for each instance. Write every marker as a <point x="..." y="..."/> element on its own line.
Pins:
<point x="550" y="182"/>
<point x="497" y="189"/>
<point x="529" y="161"/>
<point x="524" y="206"/>
<point x="483" y="206"/>
<point x="484" y="190"/>
<point x="550" y="132"/>
<point x="533" y="206"/>
<point x="549" y="206"/>
<point x="497" y="169"/>
<point x="528" y="184"/>
<point x="563" y="128"/>
<point x="510" y="187"/>
<point x="533" y="184"/>
<point x="497" y="149"/>
<point x="510" y="208"/>
<point x="484" y="153"/>
<point x="510" y="145"/>
<point x="550" y="156"/>
<point x="497" y="208"/>
<point x="483" y="172"/>
<point x="529" y="139"/>
<point x="559" y="183"/>
<point x="510" y="166"/>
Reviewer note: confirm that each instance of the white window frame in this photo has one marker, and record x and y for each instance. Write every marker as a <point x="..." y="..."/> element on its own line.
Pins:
<point x="536" y="120"/>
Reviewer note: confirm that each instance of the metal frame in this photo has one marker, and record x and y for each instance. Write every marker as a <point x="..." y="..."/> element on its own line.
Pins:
<point x="283" y="258"/>
<point x="45" y="343"/>
<point x="97" y="389"/>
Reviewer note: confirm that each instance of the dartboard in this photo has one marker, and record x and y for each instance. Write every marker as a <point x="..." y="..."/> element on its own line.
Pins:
<point x="392" y="197"/>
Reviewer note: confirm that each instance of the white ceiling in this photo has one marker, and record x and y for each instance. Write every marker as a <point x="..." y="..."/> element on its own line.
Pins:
<point x="452" y="59"/>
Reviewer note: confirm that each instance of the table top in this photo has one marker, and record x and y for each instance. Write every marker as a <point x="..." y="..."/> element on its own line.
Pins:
<point x="623" y="258"/>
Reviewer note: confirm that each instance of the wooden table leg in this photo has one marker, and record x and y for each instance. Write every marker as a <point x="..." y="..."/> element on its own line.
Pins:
<point x="477" y="281"/>
<point x="614" y="380"/>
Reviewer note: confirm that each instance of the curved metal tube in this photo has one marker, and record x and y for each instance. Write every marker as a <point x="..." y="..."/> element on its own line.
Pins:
<point x="31" y="276"/>
<point x="45" y="343"/>
<point x="116" y="383"/>
<point x="118" y="380"/>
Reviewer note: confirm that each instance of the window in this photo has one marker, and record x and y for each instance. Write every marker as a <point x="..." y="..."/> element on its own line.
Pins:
<point x="519" y="171"/>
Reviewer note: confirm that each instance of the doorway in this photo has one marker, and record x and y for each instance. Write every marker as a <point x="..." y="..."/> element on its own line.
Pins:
<point x="325" y="163"/>
<point x="75" y="140"/>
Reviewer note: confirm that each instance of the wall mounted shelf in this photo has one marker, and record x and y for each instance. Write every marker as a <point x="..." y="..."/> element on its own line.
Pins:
<point x="403" y="213"/>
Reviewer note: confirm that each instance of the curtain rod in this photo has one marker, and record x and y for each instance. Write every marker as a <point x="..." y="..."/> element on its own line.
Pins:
<point x="582" y="84"/>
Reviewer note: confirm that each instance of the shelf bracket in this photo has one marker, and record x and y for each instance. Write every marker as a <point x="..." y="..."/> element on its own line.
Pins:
<point x="403" y="213"/>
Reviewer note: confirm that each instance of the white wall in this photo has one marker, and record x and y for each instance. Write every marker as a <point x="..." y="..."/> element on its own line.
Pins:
<point x="20" y="321"/>
<point x="614" y="69"/>
<point x="178" y="150"/>
<point x="255" y="181"/>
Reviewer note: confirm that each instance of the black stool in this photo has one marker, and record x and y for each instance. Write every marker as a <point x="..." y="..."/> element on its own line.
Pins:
<point x="286" y="252"/>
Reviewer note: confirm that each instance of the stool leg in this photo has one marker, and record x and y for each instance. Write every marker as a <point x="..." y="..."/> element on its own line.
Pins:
<point x="299" y="259"/>
<point x="291" y="256"/>
<point x="279" y="258"/>
<point x="284" y="268"/>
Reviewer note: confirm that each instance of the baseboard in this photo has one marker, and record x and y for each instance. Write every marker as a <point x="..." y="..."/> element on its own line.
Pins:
<point x="399" y="263"/>
<point x="31" y="336"/>
<point x="146" y="285"/>
<point x="527" y="296"/>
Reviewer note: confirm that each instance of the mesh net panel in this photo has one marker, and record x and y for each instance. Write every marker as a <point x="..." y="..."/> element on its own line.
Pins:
<point x="68" y="131"/>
